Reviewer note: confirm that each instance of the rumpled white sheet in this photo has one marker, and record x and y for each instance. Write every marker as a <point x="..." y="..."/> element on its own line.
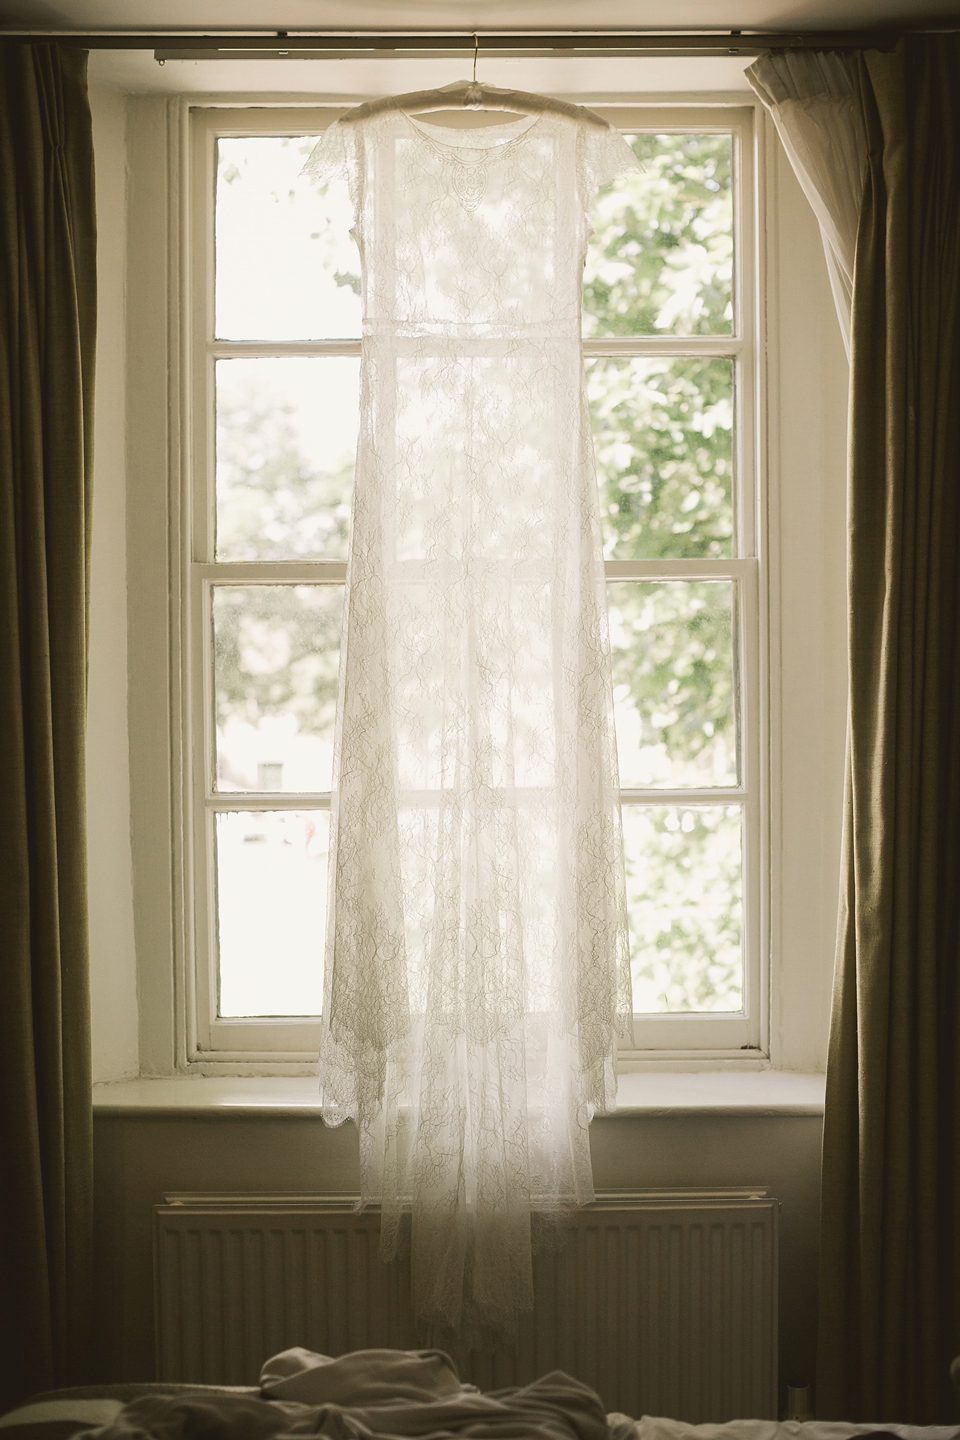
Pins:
<point x="363" y="1377"/>
<point x="367" y="1395"/>
<point x="396" y="1394"/>
<point x="388" y="1393"/>
<point x="656" y="1427"/>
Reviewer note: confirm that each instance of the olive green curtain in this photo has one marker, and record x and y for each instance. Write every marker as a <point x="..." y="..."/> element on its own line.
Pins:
<point x="890" y="1237"/>
<point x="47" y="327"/>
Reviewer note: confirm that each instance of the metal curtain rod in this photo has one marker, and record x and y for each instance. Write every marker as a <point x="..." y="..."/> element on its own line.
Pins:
<point x="303" y="45"/>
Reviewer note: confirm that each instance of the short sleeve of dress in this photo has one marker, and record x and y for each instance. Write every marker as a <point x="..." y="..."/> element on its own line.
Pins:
<point x="605" y="154"/>
<point x="334" y="155"/>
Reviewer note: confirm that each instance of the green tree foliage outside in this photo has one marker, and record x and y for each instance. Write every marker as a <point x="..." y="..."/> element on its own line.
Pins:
<point x="672" y="652"/>
<point x="276" y="647"/>
<point x="661" y="257"/>
<point x="276" y="652"/>
<point x="659" y="262"/>
<point x="683" y="868"/>
<point x="272" y="504"/>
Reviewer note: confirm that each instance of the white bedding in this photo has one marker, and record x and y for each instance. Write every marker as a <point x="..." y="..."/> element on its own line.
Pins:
<point x="366" y="1395"/>
<point x="656" y="1427"/>
<point x="392" y="1395"/>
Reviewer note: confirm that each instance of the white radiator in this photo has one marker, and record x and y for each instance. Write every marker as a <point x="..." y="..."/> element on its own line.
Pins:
<point x="664" y="1302"/>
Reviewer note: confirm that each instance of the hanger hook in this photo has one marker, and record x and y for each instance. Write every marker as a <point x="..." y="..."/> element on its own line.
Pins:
<point x="476" y="52"/>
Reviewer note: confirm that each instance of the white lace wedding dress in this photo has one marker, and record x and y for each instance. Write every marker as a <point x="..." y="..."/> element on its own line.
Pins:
<point x="477" y="968"/>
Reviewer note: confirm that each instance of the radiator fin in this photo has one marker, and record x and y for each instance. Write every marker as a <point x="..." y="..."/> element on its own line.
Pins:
<point x="664" y="1306"/>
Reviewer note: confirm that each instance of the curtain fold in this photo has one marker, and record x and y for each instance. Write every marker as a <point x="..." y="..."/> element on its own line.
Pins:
<point x="890" y="1239"/>
<point x="811" y="101"/>
<point x="890" y="1214"/>
<point x="47" y="330"/>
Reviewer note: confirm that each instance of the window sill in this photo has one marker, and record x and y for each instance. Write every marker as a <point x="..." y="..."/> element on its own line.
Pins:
<point x="766" y="1092"/>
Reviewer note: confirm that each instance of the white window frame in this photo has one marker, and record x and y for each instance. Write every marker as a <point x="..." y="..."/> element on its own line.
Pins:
<point x="676" y="1037"/>
<point x="209" y="1042"/>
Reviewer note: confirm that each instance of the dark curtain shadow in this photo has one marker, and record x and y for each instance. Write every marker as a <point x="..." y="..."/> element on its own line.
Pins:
<point x="47" y="332"/>
<point x="890" y="1243"/>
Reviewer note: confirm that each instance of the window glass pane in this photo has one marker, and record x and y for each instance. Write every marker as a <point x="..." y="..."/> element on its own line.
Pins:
<point x="684" y="904"/>
<point x="271" y="911"/>
<point x="672" y="646"/>
<point x="287" y="266"/>
<point x="660" y="259"/>
<point x="663" y="436"/>
<point x="286" y="442"/>
<point x="276" y="655"/>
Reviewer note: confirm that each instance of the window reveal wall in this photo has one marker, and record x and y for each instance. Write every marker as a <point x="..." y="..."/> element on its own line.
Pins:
<point x="112" y="946"/>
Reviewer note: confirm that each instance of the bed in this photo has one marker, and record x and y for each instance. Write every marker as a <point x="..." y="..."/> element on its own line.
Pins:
<point x="380" y="1395"/>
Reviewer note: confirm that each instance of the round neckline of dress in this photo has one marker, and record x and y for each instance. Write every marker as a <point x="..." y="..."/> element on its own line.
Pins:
<point x="505" y="132"/>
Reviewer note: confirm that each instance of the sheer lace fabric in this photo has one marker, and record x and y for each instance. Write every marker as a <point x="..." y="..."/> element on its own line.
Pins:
<point x="477" y="970"/>
<point x="811" y="101"/>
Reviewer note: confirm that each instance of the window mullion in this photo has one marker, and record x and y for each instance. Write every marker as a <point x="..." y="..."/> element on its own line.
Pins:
<point x="273" y="572"/>
<point x="682" y="795"/>
<point x="679" y="569"/>
<point x="726" y="347"/>
<point x="224" y="800"/>
<point x="280" y="349"/>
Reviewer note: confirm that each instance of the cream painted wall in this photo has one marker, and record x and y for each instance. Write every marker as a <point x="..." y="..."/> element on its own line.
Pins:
<point x="139" y="1157"/>
<point x="808" y="381"/>
<point x="113" y="957"/>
